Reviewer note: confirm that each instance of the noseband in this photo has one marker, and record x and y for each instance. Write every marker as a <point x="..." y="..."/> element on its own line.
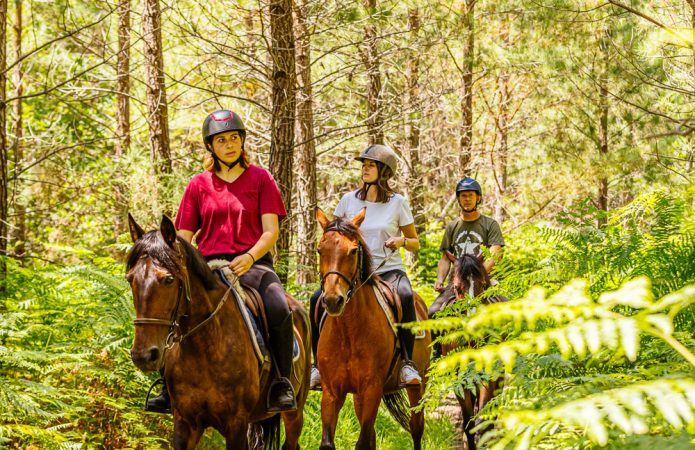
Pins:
<point x="175" y="334"/>
<point x="351" y="281"/>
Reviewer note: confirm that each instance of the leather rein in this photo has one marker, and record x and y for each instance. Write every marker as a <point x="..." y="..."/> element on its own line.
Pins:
<point x="176" y="334"/>
<point x="355" y="279"/>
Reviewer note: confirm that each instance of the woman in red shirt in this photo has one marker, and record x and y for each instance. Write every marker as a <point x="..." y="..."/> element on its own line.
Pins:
<point x="235" y="209"/>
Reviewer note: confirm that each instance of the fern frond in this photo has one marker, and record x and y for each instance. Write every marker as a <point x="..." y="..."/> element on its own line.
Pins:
<point x="629" y="409"/>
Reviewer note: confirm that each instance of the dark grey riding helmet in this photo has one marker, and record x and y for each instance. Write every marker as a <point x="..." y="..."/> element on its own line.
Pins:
<point x="380" y="153"/>
<point x="221" y="121"/>
<point x="469" y="184"/>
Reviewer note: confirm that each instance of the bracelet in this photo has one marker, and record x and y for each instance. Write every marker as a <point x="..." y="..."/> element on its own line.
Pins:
<point x="254" y="259"/>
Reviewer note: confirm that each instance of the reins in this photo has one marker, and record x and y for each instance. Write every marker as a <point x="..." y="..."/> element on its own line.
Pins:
<point x="352" y="282"/>
<point x="175" y="335"/>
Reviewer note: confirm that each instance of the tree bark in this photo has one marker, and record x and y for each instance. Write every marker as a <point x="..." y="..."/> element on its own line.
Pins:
<point x="466" y="143"/>
<point x="158" y="120"/>
<point x="3" y="144"/>
<point x="122" y="113"/>
<point x="306" y="155"/>
<point x="412" y="128"/>
<point x="603" y="132"/>
<point x="375" y="119"/>
<point x="502" y="134"/>
<point x="123" y="76"/>
<point x="283" y="116"/>
<point x="20" y="228"/>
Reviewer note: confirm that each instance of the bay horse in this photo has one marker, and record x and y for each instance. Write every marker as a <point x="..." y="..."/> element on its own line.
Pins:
<point x="470" y="279"/>
<point x="185" y="324"/>
<point x="357" y="347"/>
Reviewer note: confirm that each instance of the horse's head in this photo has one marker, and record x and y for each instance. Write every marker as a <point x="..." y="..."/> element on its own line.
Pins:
<point x="470" y="276"/>
<point x="157" y="274"/>
<point x="344" y="260"/>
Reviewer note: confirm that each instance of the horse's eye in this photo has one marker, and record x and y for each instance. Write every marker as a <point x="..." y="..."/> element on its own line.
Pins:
<point x="167" y="280"/>
<point x="352" y="251"/>
<point x="129" y="277"/>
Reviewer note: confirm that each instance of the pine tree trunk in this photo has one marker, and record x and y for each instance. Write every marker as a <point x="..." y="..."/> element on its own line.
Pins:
<point x="122" y="111"/>
<point x="306" y="155"/>
<point x="156" y="90"/>
<point x="502" y="135"/>
<point x="20" y="229"/>
<point x="412" y="130"/>
<point x="466" y="143"/>
<point x="603" y="134"/>
<point x="123" y="76"/>
<point x="283" y="116"/>
<point x="375" y="120"/>
<point x="3" y="144"/>
<point x="691" y="139"/>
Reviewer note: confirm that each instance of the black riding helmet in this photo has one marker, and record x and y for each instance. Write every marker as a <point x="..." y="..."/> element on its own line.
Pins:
<point x="221" y="121"/>
<point x="469" y="184"/>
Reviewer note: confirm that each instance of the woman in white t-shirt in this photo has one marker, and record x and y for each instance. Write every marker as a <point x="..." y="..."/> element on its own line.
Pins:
<point x="388" y="225"/>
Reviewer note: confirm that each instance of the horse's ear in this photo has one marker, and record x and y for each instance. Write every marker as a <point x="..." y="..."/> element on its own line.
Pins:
<point x="450" y="256"/>
<point x="321" y="217"/>
<point x="359" y="218"/>
<point x="168" y="231"/>
<point x="135" y="231"/>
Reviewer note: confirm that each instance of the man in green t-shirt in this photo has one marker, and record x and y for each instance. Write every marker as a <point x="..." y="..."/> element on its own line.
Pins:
<point x="465" y="235"/>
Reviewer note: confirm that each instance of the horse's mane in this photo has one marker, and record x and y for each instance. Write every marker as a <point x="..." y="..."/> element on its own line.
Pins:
<point x="153" y="245"/>
<point x="469" y="265"/>
<point x="349" y="229"/>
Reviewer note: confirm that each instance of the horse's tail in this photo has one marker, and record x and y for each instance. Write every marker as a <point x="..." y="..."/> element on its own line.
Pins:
<point x="399" y="407"/>
<point x="271" y="432"/>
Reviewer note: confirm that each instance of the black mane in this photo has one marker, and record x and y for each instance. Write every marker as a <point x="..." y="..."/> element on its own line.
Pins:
<point x="153" y="245"/>
<point x="349" y="229"/>
<point x="469" y="265"/>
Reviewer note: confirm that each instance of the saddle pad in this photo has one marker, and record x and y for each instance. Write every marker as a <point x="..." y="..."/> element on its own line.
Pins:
<point x="383" y="302"/>
<point x="249" y="319"/>
<point x="221" y="267"/>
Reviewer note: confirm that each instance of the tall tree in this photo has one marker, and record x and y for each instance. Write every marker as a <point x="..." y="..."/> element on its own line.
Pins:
<point x="602" y="114"/>
<point x="306" y="154"/>
<point x="3" y="144"/>
<point x="283" y="115"/>
<point x="370" y="57"/>
<point x="20" y="228"/>
<point x="502" y="127"/>
<point x="157" y="109"/>
<point x="123" y="76"/>
<point x="412" y="125"/>
<point x="466" y="143"/>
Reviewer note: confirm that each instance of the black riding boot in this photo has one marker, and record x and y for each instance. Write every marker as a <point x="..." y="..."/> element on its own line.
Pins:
<point x="281" y="395"/>
<point x="160" y="403"/>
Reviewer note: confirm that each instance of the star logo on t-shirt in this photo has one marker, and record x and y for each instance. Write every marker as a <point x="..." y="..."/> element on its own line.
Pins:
<point x="468" y="243"/>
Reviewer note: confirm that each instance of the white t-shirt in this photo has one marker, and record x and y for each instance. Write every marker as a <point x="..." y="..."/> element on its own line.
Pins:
<point x="381" y="222"/>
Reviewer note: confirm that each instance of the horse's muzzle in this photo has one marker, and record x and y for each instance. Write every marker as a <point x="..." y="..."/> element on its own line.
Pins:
<point x="334" y="304"/>
<point x="147" y="360"/>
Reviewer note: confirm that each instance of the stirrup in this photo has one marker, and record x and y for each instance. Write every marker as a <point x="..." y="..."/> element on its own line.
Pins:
<point x="315" y="379"/>
<point x="278" y="383"/>
<point x="148" y="408"/>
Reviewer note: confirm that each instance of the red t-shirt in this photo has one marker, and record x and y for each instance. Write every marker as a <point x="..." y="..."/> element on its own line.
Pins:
<point x="228" y="215"/>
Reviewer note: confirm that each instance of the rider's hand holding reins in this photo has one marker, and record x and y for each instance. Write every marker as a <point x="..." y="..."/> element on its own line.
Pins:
<point x="395" y="242"/>
<point x="241" y="264"/>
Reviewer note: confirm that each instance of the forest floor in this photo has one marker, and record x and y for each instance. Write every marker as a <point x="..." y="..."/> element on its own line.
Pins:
<point x="449" y="407"/>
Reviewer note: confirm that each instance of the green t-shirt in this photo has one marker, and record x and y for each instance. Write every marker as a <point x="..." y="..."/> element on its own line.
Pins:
<point x="463" y="237"/>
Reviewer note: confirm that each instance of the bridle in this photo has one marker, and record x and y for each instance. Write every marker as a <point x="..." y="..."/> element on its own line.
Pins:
<point x="176" y="334"/>
<point x="352" y="281"/>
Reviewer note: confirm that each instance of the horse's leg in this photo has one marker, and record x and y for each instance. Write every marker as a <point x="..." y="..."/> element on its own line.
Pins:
<point x="330" y="409"/>
<point x="417" y="419"/>
<point x="186" y="437"/>
<point x="294" y="421"/>
<point x="467" y="403"/>
<point x="366" y="408"/>
<point x="236" y="434"/>
<point x="485" y="394"/>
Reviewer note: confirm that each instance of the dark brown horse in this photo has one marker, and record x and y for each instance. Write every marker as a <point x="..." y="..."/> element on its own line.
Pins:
<point x="188" y="323"/>
<point x="470" y="279"/>
<point x="357" y="349"/>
